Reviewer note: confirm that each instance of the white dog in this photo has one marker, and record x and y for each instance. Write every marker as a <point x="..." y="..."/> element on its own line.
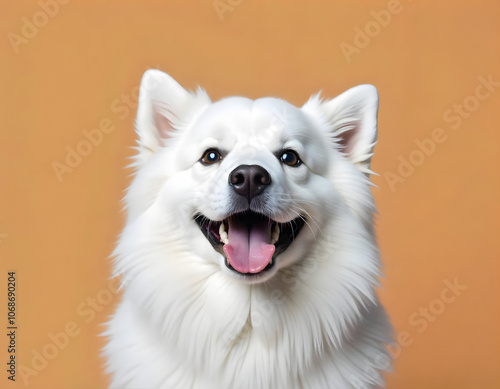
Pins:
<point x="248" y="258"/>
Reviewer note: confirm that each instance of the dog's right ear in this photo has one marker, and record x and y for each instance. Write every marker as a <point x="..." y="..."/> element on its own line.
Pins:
<point x="164" y="108"/>
<point x="351" y="120"/>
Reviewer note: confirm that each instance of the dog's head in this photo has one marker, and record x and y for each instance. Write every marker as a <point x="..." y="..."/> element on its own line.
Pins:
<point x="250" y="185"/>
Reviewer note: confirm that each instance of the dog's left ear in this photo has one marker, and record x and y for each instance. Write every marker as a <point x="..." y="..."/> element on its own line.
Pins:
<point x="352" y="121"/>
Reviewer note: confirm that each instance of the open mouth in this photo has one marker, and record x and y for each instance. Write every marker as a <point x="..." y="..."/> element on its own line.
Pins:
<point x="249" y="241"/>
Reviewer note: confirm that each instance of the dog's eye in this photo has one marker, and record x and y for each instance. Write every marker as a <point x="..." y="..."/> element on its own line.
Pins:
<point x="290" y="158"/>
<point x="210" y="156"/>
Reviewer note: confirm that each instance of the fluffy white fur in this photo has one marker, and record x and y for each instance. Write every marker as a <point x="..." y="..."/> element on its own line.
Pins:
<point x="185" y="319"/>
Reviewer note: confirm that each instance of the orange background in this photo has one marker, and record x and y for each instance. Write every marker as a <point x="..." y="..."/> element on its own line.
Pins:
<point x="437" y="224"/>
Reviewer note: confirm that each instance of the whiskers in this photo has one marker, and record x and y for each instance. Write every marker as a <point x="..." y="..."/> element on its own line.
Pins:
<point x="299" y="210"/>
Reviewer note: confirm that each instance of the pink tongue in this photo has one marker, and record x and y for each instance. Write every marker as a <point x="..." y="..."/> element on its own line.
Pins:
<point x="248" y="250"/>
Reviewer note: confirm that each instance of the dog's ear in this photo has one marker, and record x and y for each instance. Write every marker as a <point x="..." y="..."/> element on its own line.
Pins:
<point x="352" y="122"/>
<point x="164" y="107"/>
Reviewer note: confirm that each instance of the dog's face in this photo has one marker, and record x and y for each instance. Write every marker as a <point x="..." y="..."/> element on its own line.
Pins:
<point x="258" y="167"/>
<point x="252" y="185"/>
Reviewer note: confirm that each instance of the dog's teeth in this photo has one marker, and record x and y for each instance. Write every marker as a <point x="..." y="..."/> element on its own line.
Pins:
<point x="276" y="234"/>
<point x="223" y="234"/>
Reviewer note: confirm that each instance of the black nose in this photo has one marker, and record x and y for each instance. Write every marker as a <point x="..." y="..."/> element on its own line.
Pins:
<point x="249" y="180"/>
